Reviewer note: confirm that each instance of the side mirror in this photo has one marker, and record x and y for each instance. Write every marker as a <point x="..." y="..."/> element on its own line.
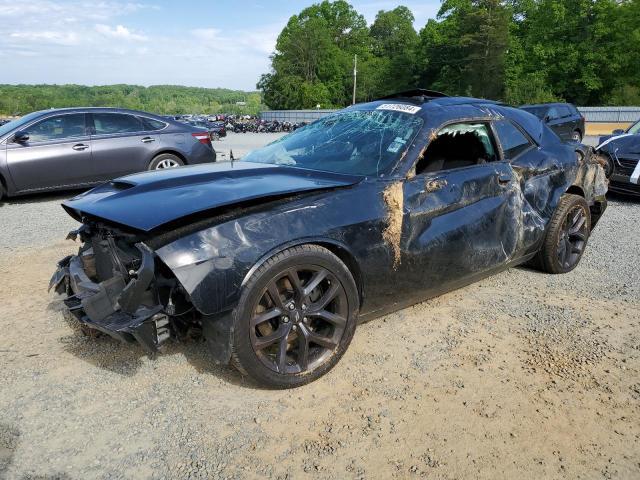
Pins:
<point x="21" y="137"/>
<point x="618" y="131"/>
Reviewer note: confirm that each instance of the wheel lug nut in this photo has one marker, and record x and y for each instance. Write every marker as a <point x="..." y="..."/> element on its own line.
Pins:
<point x="305" y="320"/>
<point x="285" y="319"/>
<point x="304" y="307"/>
<point x="294" y="328"/>
<point x="291" y="306"/>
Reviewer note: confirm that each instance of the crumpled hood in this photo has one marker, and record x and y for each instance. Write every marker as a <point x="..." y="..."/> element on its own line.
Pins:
<point x="145" y="201"/>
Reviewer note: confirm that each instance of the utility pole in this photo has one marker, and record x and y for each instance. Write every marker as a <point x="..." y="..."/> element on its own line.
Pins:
<point x="355" y="77"/>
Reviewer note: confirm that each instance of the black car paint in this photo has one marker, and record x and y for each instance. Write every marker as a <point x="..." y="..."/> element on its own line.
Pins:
<point x="103" y="158"/>
<point x="191" y="190"/>
<point x="623" y="151"/>
<point x="564" y="125"/>
<point x="457" y="226"/>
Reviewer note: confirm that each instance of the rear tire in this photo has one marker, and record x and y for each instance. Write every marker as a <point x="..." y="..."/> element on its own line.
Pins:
<point x="164" y="161"/>
<point x="566" y="237"/>
<point x="296" y="317"/>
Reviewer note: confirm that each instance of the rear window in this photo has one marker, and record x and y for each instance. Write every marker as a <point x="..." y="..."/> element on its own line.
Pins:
<point x="539" y="112"/>
<point x="151" y="125"/>
<point x="564" y="111"/>
<point x="513" y="141"/>
<point x="110" y="123"/>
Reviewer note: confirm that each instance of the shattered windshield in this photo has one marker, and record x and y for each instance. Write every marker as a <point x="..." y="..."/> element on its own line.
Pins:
<point x="353" y="142"/>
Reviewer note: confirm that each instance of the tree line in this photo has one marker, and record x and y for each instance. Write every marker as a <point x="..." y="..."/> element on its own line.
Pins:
<point x="518" y="51"/>
<point x="161" y="99"/>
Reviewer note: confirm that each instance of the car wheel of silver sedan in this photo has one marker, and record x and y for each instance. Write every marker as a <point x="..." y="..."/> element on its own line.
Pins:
<point x="165" y="160"/>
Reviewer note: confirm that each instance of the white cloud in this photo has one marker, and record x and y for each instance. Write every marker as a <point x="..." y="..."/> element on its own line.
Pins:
<point x="206" y="34"/>
<point x="120" y="41"/>
<point x="58" y="38"/>
<point x="120" y="32"/>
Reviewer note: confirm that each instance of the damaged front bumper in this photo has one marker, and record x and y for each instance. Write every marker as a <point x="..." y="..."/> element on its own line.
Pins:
<point x="118" y="306"/>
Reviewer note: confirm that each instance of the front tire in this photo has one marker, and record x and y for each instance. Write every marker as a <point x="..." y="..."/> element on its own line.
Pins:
<point x="567" y="235"/>
<point x="296" y="317"/>
<point x="164" y="161"/>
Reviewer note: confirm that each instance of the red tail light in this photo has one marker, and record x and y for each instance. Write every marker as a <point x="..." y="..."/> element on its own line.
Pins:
<point x="202" y="137"/>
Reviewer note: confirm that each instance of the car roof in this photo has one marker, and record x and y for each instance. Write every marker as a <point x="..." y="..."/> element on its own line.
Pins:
<point x="97" y="109"/>
<point x="436" y="108"/>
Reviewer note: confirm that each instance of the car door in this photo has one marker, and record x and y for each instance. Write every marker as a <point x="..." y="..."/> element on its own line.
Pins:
<point x="555" y="123"/>
<point x="120" y="144"/>
<point x="567" y="122"/>
<point x="460" y="224"/>
<point x="57" y="154"/>
<point x="537" y="172"/>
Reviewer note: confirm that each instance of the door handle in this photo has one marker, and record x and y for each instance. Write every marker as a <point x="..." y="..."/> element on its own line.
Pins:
<point x="80" y="146"/>
<point x="148" y="140"/>
<point x="503" y="178"/>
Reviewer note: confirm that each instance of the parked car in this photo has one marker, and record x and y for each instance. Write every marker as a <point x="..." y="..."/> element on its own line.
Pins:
<point x="80" y="147"/>
<point x="621" y="153"/>
<point x="376" y="207"/>
<point x="562" y="118"/>
<point x="215" y="129"/>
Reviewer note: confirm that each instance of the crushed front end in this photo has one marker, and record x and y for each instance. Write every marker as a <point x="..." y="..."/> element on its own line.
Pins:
<point x="117" y="285"/>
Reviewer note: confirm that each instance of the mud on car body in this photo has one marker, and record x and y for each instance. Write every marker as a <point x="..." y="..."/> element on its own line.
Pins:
<point x="277" y="257"/>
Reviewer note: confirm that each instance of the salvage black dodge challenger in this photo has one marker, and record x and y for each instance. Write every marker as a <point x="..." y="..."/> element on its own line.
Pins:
<point x="274" y="259"/>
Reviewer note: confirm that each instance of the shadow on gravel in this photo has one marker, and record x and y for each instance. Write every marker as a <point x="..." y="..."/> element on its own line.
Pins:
<point x="9" y="437"/>
<point x="125" y="359"/>
<point x="618" y="197"/>
<point x="197" y="354"/>
<point x="97" y="349"/>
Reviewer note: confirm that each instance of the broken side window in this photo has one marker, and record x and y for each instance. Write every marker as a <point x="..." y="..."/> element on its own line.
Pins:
<point x="456" y="146"/>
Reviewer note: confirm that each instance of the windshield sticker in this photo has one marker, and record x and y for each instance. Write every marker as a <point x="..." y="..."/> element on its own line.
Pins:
<point x="400" y="107"/>
<point x="395" y="146"/>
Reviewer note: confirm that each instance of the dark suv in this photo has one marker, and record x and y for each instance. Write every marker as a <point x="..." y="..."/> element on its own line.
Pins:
<point x="80" y="147"/>
<point x="562" y="118"/>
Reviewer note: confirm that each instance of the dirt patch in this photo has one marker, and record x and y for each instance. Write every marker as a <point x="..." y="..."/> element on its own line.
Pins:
<point x="456" y="387"/>
<point x="394" y="200"/>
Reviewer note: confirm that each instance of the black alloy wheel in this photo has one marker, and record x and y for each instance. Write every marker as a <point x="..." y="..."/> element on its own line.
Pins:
<point x="296" y="317"/>
<point x="566" y="237"/>
<point x="299" y="320"/>
<point x="573" y="238"/>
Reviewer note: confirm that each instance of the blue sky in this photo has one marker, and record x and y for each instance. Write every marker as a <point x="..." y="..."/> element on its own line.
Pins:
<point x="219" y="43"/>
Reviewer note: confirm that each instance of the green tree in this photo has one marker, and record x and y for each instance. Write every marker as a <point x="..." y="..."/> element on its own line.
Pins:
<point x="394" y="44"/>
<point x="465" y="48"/>
<point x="314" y="54"/>
<point x="163" y="99"/>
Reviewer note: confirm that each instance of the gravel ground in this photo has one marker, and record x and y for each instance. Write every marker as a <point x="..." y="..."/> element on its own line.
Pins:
<point x="521" y="375"/>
